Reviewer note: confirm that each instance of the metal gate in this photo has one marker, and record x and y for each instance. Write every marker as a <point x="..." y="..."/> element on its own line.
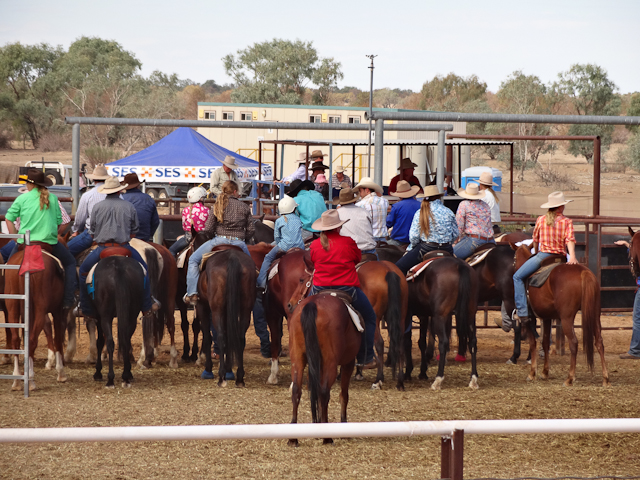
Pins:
<point x="25" y="318"/>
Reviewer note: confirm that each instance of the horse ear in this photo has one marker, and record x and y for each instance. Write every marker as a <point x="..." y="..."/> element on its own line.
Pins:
<point x="631" y="232"/>
<point x="307" y="261"/>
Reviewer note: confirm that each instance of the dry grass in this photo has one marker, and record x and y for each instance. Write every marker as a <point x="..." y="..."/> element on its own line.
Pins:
<point x="162" y="396"/>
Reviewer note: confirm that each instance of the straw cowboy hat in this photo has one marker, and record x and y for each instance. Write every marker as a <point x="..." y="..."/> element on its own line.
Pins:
<point x="404" y="190"/>
<point x="406" y="163"/>
<point x="132" y="181"/>
<point x="230" y="162"/>
<point x="298" y="185"/>
<point x="329" y="220"/>
<point x="367" y="182"/>
<point x="111" y="185"/>
<point x="555" y="199"/>
<point x="317" y="154"/>
<point x="99" y="173"/>
<point x="302" y="158"/>
<point x="347" y="196"/>
<point x="37" y="177"/>
<point x="486" y="179"/>
<point x="430" y="192"/>
<point x="339" y="169"/>
<point x="472" y="192"/>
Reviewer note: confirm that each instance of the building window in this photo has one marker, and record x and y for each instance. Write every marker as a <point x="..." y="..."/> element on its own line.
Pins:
<point x="354" y="119"/>
<point x="334" y="118"/>
<point x="227" y="116"/>
<point x="315" y="118"/>
<point x="209" y="115"/>
<point x="245" y="116"/>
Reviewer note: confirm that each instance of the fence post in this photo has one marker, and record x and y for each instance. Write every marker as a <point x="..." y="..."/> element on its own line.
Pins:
<point x="457" y="456"/>
<point x="445" y="457"/>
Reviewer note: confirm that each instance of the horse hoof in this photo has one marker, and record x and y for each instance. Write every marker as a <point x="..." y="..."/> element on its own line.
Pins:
<point x="530" y="378"/>
<point x="422" y="376"/>
<point x="473" y="384"/>
<point x="68" y="358"/>
<point x="544" y="376"/>
<point x="529" y="362"/>
<point x="511" y="362"/>
<point x="142" y="366"/>
<point x="110" y="387"/>
<point x="327" y="441"/>
<point x="32" y="386"/>
<point x="606" y="382"/>
<point x="222" y="384"/>
<point x="126" y="385"/>
<point x="206" y="375"/>
<point x="62" y="378"/>
<point x="97" y="377"/>
<point x="272" y="380"/>
<point x="173" y="363"/>
<point x="293" y="443"/>
<point x="568" y="383"/>
<point x="239" y="384"/>
<point x="377" y="386"/>
<point x="359" y="377"/>
<point x="16" y="386"/>
<point x="437" y="383"/>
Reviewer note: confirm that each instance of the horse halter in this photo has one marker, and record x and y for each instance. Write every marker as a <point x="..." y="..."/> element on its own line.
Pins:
<point x="307" y="285"/>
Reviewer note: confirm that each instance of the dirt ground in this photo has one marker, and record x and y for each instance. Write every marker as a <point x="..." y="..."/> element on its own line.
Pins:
<point x="165" y="396"/>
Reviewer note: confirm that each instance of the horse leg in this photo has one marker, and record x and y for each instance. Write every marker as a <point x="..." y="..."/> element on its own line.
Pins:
<point x="345" y="376"/>
<point x="473" y="348"/>
<point x="15" y="345"/>
<point x="274" y="322"/>
<point x="600" y="347"/>
<point x="379" y="346"/>
<point x="51" y="348"/>
<point x="440" y="329"/>
<point x="546" y="342"/>
<point x="184" y="326"/>
<point x="92" y="326"/>
<point x="567" y="328"/>
<point x="106" y="331"/>
<point x="71" y="333"/>
<point x="196" y="327"/>
<point x="59" y="331"/>
<point x="422" y="345"/>
<point x="407" y="352"/>
<point x="240" y="355"/>
<point x="298" y="364"/>
<point x="128" y="325"/>
<point x="98" y="361"/>
<point x="171" y="328"/>
<point x="202" y="310"/>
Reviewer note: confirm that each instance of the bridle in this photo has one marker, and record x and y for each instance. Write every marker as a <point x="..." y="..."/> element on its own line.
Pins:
<point x="632" y="261"/>
<point x="305" y="290"/>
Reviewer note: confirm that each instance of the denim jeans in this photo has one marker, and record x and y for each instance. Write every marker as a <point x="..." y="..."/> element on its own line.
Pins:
<point x="634" y="348"/>
<point x="266" y="265"/>
<point x="193" y="272"/>
<point x="260" y="326"/>
<point x="465" y="247"/>
<point x="179" y="245"/>
<point x="70" y="277"/>
<point x="414" y="256"/>
<point x="363" y="306"/>
<point x="524" y="272"/>
<point x="7" y="250"/>
<point x="80" y="243"/>
<point x="372" y="252"/>
<point x="393" y="241"/>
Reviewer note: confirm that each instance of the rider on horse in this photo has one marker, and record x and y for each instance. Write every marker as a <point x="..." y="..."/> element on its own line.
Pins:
<point x="145" y="206"/>
<point x="486" y="184"/>
<point x="550" y="235"/>
<point x="195" y="215"/>
<point x="402" y="212"/>
<point x="113" y="222"/>
<point x="474" y="222"/>
<point x="372" y="201"/>
<point x="360" y="226"/>
<point x="310" y="205"/>
<point x="335" y="258"/>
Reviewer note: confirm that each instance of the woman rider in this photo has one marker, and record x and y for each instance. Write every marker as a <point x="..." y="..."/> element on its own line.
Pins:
<point x="39" y="213"/>
<point x="335" y="258"/>
<point x="486" y="184"/>
<point x="433" y="227"/>
<point x="231" y="223"/>
<point x="550" y="235"/>
<point x="474" y="222"/>
<point x="195" y="215"/>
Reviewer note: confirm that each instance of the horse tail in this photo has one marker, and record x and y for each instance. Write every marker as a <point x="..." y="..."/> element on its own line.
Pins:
<point x="314" y="355"/>
<point x="151" y="258"/>
<point x="233" y="300"/>
<point x="462" y="303"/>
<point x="590" y="307"/>
<point x="393" y="317"/>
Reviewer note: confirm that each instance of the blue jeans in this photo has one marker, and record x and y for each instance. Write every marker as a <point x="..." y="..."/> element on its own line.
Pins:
<point x="266" y="265"/>
<point x="193" y="272"/>
<point x="524" y="272"/>
<point x="7" y="250"/>
<point x="465" y="247"/>
<point x="634" y="348"/>
<point x="414" y="256"/>
<point x="80" y="243"/>
<point x="94" y="257"/>
<point x="363" y="306"/>
<point x="179" y="245"/>
<point x="260" y="326"/>
<point x="372" y="252"/>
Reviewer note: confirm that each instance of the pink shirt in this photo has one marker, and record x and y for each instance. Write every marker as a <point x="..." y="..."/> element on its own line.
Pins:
<point x="196" y="213"/>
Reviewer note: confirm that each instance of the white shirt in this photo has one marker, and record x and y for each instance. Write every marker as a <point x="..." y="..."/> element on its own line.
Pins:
<point x="359" y="226"/>
<point x="490" y="200"/>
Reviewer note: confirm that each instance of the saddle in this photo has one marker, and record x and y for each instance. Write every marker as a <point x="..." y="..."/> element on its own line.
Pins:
<point x="356" y="318"/>
<point x="427" y="259"/>
<point x="46" y="249"/>
<point x="366" y="258"/>
<point x="273" y="271"/>
<point x="217" y="249"/>
<point x="115" y="252"/>
<point x="540" y="277"/>
<point x="344" y="296"/>
<point x="480" y="254"/>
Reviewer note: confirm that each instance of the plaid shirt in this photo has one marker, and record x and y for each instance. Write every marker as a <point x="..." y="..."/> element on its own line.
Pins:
<point x="553" y="238"/>
<point x="236" y="221"/>
<point x="378" y="207"/>
<point x="358" y="227"/>
<point x="335" y="183"/>
<point x="474" y="218"/>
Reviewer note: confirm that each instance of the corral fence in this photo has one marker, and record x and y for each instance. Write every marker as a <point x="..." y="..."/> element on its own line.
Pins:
<point x="451" y="433"/>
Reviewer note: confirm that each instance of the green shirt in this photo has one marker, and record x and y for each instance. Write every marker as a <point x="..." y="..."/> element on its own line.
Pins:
<point x="42" y="223"/>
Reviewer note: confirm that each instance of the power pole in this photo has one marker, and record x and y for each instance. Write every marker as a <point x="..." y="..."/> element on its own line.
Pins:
<point x="370" y="115"/>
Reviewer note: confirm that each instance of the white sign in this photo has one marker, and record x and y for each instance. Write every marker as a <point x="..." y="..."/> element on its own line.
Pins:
<point x="154" y="174"/>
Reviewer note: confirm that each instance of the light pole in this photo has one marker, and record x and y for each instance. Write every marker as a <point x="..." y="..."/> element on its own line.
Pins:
<point x="370" y="115"/>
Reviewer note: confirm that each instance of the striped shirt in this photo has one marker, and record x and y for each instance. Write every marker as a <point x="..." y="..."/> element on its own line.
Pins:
<point x="288" y="232"/>
<point x="85" y="207"/>
<point x="442" y="228"/>
<point x="378" y="207"/>
<point x="553" y="238"/>
<point x="359" y="227"/>
<point x="335" y="183"/>
<point x="474" y="218"/>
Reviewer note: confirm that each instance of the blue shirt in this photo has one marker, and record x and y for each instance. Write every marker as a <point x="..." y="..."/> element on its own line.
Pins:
<point x="288" y="232"/>
<point x="310" y="208"/>
<point x="148" y="219"/>
<point x="400" y="218"/>
<point x="442" y="228"/>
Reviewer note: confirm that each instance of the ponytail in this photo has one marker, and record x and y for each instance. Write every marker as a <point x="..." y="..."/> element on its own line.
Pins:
<point x="551" y="215"/>
<point x="324" y="241"/>
<point x="44" y="197"/>
<point x="495" y="195"/>
<point x="222" y="201"/>
<point x="426" y="217"/>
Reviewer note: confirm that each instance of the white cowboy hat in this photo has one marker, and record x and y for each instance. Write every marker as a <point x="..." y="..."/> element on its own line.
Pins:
<point x="269" y="223"/>
<point x="339" y="169"/>
<point x="230" y="162"/>
<point x="329" y="220"/>
<point x="367" y="182"/>
<point x="486" y="179"/>
<point x="472" y="192"/>
<point x="111" y="185"/>
<point x="99" y="173"/>
<point x="302" y="158"/>
<point x="405" y="190"/>
<point x="430" y="192"/>
<point x="555" y="199"/>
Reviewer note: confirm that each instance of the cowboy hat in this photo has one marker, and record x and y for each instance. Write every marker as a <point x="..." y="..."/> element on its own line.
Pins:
<point x="329" y="220"/>
<point x="298" y="185"/>
<point x="430" y="192"/>
<point x="111" y="185"/>
<point x="99" y="173"/>
<point x="318" y="166"/>
<point x="132" y="180"/>
<point x="405" y="190"/>
<point x="317" y="154"/>
<point x="339" y="169"/>
<point x="486" y="179"/>
<point x="321" y="178"/>
<point x="347" y="196"/>
<point x="366" y="182"/>
<point x="555" y="199"/>
<point x="406" y="163"/>
<point x="302" y="158"/>
<point x="230" y="162"/>
<point x="472" y="192"/>
<point x="37" y="177"/>
<point x="269" y="224"/>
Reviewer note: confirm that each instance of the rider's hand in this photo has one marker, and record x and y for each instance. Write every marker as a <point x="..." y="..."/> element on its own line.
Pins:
<point x="622" y="243"/>
<point x="572" y="260"/>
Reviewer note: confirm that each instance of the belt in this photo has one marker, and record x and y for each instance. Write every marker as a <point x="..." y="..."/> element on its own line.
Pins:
<point x="478" y="236"/>
<point x="113" y="244"/>
<point x="229" y="238"/>
<point x="434" y="244"/>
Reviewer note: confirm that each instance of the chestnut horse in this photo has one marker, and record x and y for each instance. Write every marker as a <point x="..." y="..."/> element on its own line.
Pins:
<point x="568" y="289"/>
<point x="322" y="335"/>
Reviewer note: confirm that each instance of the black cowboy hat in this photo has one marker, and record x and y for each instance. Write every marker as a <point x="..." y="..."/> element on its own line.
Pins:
<point x="318" y="166"/>
<point x="37" y="177"/>
<point x="298" y="185"/>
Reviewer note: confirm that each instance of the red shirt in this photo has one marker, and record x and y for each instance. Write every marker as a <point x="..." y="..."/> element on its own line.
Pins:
<point x="337" y="267"/>
<point x="553" y="238"/>
<point x="413" y="181"/>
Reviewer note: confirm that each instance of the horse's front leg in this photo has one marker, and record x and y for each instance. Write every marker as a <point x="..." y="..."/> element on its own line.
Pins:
<point x="59" y="331"/>
<point x="297" y="371"/>
<point x="71" y="333"/>
<point x="106" y="329"/>
<point x="51" y="348"/>
<point x="531" y="326"/>
<point x="196" y="327"/>
<point x="274" y="322"/>
<point x="440" y="329"/>
<point x="407" y="353"/>
<point x="426" y="351"/>
<point x="92" y="326"/>
<point x="171" y="328"/>
<point x="567" y="327"/>
<point x="379" y="346"/>
<point x="546" y="342"/>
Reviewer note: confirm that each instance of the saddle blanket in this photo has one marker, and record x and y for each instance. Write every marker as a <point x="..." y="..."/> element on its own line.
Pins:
<point x="182" y="257"/>
<point x="143" y="247"/>
<point x="55" y="258"/>
<point x="539" y="278"/>
<point x="478" y="258"/>
<point x="273" y="271"/>
<point x="414" y="272"/>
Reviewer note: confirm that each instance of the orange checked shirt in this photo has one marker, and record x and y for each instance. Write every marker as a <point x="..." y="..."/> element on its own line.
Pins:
<point x="552" y="239"/>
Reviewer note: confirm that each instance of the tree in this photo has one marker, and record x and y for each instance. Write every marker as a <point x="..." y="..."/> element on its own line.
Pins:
<point x="279" y="71"/>
<point x="451" y="93"/>
<point x="386" y="98"/>
<point x="590" y="92"/>
<point x="630" y="154"/>
<point x="634" y="111"/>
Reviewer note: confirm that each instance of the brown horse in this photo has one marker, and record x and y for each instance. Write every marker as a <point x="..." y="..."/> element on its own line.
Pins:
<point x="322" y="335"/>
<point x="569" y="288"/>
<point x="634" y="252"/>
<point x="46" y="293"/>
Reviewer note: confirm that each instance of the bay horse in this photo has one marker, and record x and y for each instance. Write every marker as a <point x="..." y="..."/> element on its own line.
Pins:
<point x="568" y="289"/>
<point x="448" y="285"/>
<point x="322" y="335"/>
<point x="227" y="292"/>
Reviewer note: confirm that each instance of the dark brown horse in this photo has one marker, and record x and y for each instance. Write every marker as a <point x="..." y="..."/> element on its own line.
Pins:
<point x="569" y="288"/>
<point x="227" y="291"/>
<point x="634" y="252"/>
<point x="322" y="335"/>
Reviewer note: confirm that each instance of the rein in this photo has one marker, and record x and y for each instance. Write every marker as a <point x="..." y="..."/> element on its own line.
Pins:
<point x="307" y="285"/>
<point x="632" y="262"/>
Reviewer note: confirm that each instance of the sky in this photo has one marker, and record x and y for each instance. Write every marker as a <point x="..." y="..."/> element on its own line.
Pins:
<point x="413" y="40"/>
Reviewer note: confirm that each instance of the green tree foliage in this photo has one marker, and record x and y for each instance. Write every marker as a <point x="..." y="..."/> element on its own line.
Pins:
<point x="634" y="111"/>
<point x="453" y="93"/>
<point x="590" y="92"/>
<point x="630" y="154"/>
<point x="279" y="71"/>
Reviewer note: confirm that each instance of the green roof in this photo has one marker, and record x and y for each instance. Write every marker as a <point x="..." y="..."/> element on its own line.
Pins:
<point x="319" y="107"/>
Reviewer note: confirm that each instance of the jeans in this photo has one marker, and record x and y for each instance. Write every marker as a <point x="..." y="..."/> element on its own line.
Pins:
<point x="361" y="303"/>
<point x="179" y="245"/>
<point x="393" y="241"/>
<point x="465" y="247"/>
<point x="372" y="252"/>
<point x="70" y="278"/>
<point x="193" y="272"/>
<point x="260" y="326"/>
<point x="7" y="250"/>
<point x="380" y="239"/>
<point x="266" y="265"/>
<point x="80" y="243"/>
<point x="524" y="272"/>
<point x="414" y="256"/>
<point x="94" y="257"/>
<point x="634" y="348"/>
